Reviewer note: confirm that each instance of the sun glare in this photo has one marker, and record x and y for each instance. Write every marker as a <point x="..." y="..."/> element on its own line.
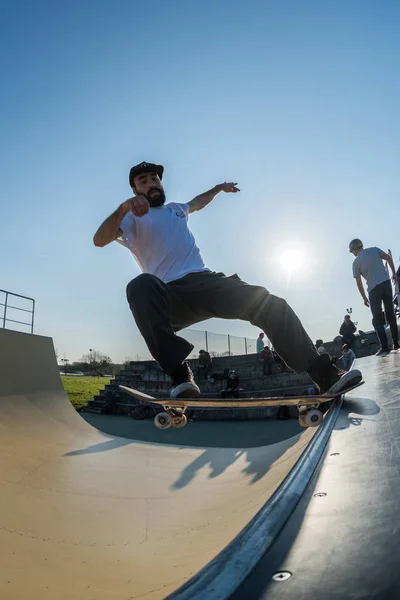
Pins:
<point x="292" y="259"/>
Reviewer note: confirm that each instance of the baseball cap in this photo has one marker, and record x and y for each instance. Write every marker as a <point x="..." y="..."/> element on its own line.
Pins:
<point x="145" y="167"/>
<point x="356" y="243"/>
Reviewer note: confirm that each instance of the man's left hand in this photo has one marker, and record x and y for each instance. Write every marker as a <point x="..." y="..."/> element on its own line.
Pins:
<point x="227" y="187"/>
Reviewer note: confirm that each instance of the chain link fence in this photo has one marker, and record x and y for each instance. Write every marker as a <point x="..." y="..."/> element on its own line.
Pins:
<point x="218" y="344"/>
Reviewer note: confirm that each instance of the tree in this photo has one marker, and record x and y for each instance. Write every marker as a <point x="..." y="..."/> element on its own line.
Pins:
<point x="96" y="362"/>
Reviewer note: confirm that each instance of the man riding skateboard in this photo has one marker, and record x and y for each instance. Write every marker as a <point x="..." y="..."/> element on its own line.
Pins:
<point x="176" y="289"/>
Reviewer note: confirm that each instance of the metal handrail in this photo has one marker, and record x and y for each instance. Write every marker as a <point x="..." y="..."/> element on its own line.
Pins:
<point x="6" y="305"/>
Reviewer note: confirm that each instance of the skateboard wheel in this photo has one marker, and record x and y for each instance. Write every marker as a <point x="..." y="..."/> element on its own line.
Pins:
<point x="313" y="418"/>
<point x="179" y="421"/>
<point x="163" y="420"/>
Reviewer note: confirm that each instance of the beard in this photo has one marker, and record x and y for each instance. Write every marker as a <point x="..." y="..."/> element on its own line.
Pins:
<point x="155" y="199"/>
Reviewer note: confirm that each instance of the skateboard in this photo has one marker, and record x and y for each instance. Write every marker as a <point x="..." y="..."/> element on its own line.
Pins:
<point x="175" y="408"/>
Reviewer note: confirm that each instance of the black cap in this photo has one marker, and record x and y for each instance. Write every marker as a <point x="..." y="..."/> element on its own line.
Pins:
<point x="145" y="167"/>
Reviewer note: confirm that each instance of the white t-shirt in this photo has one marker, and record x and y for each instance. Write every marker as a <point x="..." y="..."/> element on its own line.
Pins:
<point x="162" y="243"/>
<point x="369" y="264"/>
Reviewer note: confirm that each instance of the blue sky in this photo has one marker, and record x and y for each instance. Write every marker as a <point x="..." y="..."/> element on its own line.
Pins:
<point x="296" y="101"/>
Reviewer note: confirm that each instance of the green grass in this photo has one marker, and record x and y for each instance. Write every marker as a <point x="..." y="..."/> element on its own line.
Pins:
<point x="82" y="389"/>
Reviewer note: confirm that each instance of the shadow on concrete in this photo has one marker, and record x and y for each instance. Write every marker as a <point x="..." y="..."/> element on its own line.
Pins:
<point x="259" y="462"/>
<point x="101" y="447"/>
<point x="356" y="409"/>
<point x="261" y="442"/>
<point x="201" y="434"/>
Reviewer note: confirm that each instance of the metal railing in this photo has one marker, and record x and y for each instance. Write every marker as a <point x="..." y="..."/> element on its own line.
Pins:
<point x="8" y="306"/>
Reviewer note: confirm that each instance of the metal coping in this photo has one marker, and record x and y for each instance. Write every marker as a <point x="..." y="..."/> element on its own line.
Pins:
<point x="221" y="577"/>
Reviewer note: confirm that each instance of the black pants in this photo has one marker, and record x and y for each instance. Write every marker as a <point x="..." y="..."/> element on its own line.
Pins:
<point x="160" y="310"/>
<point x="382" y="293"/>
<point x="348" y="339"/>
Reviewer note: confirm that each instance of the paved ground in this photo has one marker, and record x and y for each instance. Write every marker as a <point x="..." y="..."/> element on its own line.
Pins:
<point x="88" y="515"/>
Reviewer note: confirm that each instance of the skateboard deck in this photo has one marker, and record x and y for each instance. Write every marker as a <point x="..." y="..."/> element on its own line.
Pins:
<point x="174" y="415"/>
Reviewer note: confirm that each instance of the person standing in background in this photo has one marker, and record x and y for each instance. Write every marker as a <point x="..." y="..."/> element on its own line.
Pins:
<point x="369" y="265"/>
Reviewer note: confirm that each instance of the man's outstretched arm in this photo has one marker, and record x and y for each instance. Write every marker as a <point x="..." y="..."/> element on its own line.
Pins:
<point x="109" y="230"/>
<point x="202" y="200"/>
<point x="361" y="290"/>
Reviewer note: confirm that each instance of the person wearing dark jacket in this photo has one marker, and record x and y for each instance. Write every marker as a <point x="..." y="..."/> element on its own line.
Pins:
<point x="232" y="386"/>
<point x="205" y="365"/>
<point x="347" y="331"/>
<point x="267" y="361"/>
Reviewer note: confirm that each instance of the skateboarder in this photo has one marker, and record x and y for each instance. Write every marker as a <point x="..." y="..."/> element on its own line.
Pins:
<point x="368" y="264"/>
<point x="176" y="289"/>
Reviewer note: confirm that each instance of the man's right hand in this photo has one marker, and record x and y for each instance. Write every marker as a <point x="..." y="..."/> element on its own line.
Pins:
<point x="139" y="206"/>
<point x="366" y="302"/>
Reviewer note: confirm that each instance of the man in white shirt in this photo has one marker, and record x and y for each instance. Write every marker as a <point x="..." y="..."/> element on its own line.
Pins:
<point x="369" y="265"/>
<point x="176" y="289"/>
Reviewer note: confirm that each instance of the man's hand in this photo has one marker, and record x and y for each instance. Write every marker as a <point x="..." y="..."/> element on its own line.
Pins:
<point x="138" y="205"/>
<point x="227" y="187"/>
<point x="394" y="278"/>
<point x="110" y="229"/>
<point x="366" y="302"/>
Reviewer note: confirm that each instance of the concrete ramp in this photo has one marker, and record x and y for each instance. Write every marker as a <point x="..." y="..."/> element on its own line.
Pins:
<point x="33" y="400"/>
<point x="88" y="516"/>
